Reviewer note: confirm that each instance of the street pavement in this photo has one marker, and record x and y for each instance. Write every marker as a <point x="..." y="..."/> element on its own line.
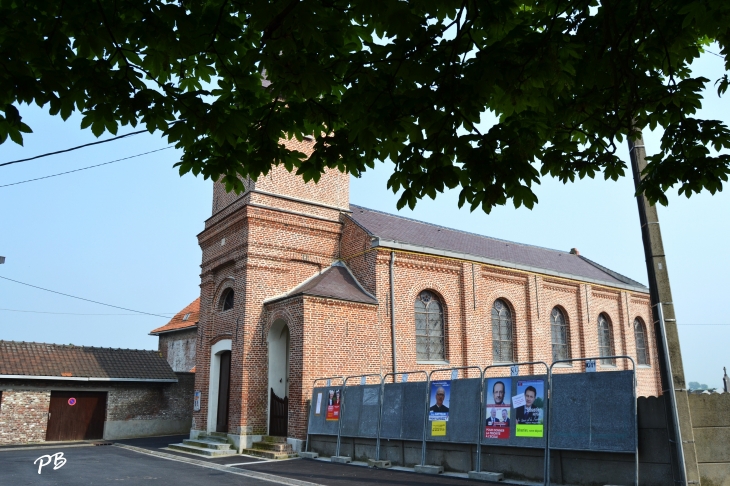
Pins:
<point x="145" y="461"/>
<point x="104" y="465"/>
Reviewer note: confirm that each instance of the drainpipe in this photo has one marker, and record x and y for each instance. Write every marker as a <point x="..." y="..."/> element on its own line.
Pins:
<point x="392" y="310"/>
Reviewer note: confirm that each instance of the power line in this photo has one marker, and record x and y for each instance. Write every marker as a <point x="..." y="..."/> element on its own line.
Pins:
<point x="81" y="298"/>
<point x="691" y="324"/>
<point x="73" y="148"/>
<point x="84" y="168"/>
<point x="75" y="314"/>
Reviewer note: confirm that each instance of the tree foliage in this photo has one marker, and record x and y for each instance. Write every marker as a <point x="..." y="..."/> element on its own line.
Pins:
<point x="410" y="81"/>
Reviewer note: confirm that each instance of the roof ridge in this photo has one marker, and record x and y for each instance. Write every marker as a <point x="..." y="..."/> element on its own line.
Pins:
<point x="613" y="273"/>
<point x="342" y="263"/>
<point x="290" y="293"/>
<point x="74" y="346"/>
<point x="454" y="229"/>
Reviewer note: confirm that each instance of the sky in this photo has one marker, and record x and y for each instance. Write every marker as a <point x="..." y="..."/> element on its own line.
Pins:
<point x="125" y="234"/>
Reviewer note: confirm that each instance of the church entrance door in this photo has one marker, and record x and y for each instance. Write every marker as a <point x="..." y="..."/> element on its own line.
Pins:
<point x="279" y="415"/>
<point x="223" y="392"/>
<point x="278" y="378"/>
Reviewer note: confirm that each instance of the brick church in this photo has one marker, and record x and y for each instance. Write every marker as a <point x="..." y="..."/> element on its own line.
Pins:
<point x="299" y="284"/>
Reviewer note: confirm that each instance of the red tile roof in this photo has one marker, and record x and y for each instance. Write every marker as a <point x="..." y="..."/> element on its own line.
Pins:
<point x="84" y="363"/>
<point x="180" y="322"/>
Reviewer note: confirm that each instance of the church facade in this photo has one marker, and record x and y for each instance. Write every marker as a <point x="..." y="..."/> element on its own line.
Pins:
<point x="299" y="284"/>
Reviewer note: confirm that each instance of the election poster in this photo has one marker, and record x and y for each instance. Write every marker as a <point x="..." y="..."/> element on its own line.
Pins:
<point x="333" y="405"/>
<point x="499" y="393"/>
<point x="529" y="406"/>
<point x="439" y="400"/>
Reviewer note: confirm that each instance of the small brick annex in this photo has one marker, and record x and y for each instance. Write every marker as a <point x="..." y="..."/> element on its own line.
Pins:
<point x="267" y="242"/>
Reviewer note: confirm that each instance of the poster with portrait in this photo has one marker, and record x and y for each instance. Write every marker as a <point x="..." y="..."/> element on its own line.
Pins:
<point x="529" y="405"/>
<point x="333" y="404"/>
<point x="499" y="394"/>
<point x="439" y="401"/>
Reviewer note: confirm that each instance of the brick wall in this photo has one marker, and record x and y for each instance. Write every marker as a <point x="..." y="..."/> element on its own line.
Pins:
<point x="164" y="407"/>
<point x="332" y="189"/>
<point x="23" y="416"/>
<point x="468" y="299"/>
<point x="263" y="246"/>
<point x="168" y="401"/>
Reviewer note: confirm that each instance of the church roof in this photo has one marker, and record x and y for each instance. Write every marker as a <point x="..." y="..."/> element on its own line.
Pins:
<point x="391" y="231"/>
<point x="336" y="282"/>
<point x="183" y="320"/>
<point x="81" y="363"/>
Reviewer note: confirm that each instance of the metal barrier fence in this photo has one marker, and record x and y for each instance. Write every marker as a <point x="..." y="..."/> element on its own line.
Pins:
<point x="515" y="372"/>
<point x="454" y="417"/>
<point x="363" y="382"/>
<point x="328" y="380"/>
<point x="404" y="379"/>
<point x="591" y="364"/>
<point x="433" y="395"/>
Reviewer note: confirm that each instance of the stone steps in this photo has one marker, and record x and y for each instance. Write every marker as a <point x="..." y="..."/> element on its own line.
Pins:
<point x="270" y="454"/>
<point x="207" y="444"/>
<point x="203" y="451"/>
<point x="215" y="436"/>
<point x="212" y="444"/>
<point x="273" y="439"/>
<point x="271" y="448"/>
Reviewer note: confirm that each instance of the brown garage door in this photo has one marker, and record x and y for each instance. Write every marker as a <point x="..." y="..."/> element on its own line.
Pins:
<point x="76" y="415"/>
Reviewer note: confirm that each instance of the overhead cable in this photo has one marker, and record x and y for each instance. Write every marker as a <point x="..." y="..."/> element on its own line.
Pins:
<point x="84" y="168"/>
<point x="74" y="313"/>
<point x="73" y="148"/>
<point x="81" y="298"/>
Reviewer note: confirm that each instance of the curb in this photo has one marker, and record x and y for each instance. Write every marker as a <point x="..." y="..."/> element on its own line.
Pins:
<point x="41" y="447"/>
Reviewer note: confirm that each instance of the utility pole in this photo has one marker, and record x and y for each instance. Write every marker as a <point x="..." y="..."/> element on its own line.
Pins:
<point x="679" y="420"/>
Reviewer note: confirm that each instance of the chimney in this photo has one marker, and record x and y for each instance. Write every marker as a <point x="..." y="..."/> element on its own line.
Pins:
<point x="574" y="251"/>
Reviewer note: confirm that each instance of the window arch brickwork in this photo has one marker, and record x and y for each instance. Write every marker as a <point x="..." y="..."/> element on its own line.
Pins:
<point x="559" y="334"/>
<point x="429" y="327"/>
<point x="502" y="332"/>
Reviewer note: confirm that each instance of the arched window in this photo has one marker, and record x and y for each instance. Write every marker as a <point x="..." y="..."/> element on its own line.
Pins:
<point x="605" y="339"/>
<point x="429" y="328"/>
<point x="559" y="331"/>
<point x="502" y="331"/>
<point x="227" y="300"/>
<point x="642" y="354"/>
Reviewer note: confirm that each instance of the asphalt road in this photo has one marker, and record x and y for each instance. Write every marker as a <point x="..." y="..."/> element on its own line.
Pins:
<point x="109" y="465"/>
<point x="329" y="474"/>
<point x="103" y="465"/>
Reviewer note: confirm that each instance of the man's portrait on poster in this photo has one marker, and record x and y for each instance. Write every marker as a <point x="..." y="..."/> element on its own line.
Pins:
<point x="439" y="400"/>
<point x="529" y="413"/>
<point x="499" y="396"/>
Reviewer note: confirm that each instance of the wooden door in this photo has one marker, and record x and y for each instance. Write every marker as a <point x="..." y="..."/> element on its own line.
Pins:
<point x="76" y="415"/>
<point x="279" y="416"/>
<point x="223" y="392"/>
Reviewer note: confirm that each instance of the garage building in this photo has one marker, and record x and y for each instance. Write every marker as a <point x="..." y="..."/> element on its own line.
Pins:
<point x="52" y="392"/>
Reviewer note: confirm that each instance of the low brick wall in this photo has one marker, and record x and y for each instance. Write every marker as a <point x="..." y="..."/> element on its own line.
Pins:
<point x="23" y="416"/>
<point x="138" y="410"/>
